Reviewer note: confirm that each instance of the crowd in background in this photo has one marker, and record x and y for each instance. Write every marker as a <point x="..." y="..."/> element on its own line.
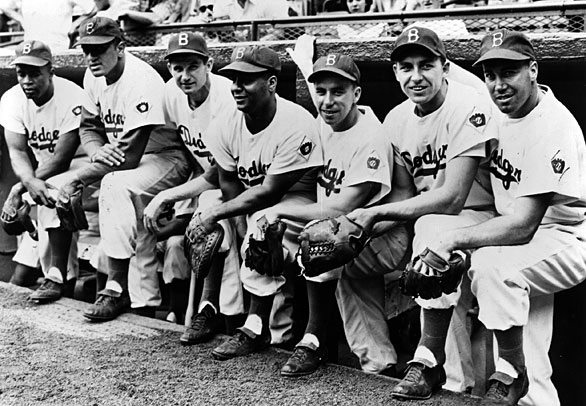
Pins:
<point x="57" y="21"/>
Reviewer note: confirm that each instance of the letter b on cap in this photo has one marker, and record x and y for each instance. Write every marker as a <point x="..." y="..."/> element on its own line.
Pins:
<point x="183" y="39"/>
<point x="497" y="39"/>
<point x="240" y="52"/>
<point x="330" y="60"/>
<point x="413" y="35"/>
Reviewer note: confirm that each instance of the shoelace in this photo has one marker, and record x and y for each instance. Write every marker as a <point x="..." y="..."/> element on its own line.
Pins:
<point x="299" y="355"/>
<point x="413" y="375"/>
<point x="47" y="285"/>
<point x="103" y="299"/>
<point x="198" y="321"/>
<point x="497" y="390"/>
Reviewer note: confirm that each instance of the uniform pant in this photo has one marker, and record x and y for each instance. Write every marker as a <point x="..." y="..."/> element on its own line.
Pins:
<point x="175" y="265"/>
<point x="32" y="253"/>
<point x="459" y="365"/>
<point x="123" y="197"/>
<point x="360" y="294"/>
<point x="508" y="280"/>
<point x="263" y="285"/>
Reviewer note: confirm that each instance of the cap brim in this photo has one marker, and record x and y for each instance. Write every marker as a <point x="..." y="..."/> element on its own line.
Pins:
<point x="95" y="40"/>
<point x="501" y="53"/>
<point x="185" y="52"/>
<point x="402" y="48"/>
<point x="29" y="60"/>
<point x="241" y="66"/>
<point x="339" y="72"/>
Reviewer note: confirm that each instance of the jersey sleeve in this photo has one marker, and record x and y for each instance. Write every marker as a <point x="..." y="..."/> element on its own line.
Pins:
<point x="72" y="114"/>
<point x="218" y="142"/>
<point x="469" y="130"/>
<point x="300" y="148"/>
<point x="11" y="112"/>
<point x="169" y="103"/>
<point x="372" y="162"/>
<point x="556" y="165"/>
<point x="89" y="99"/>
<point x="392" y="135"/>
<point x="144" y="106"/>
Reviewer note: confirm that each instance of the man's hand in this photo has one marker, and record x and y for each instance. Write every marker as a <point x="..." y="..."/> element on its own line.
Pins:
<point x="69" y="188"/>
<point x="39" y="191"/>
<point x="208" y="219"/>
<point x="152" y="213"/>
<point x="364" y="217"/>
<point x="14" y="198"/>
<point x="109" y="154"/>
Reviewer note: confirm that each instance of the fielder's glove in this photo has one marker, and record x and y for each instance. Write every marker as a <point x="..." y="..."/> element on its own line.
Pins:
<point x="201" y="244"/>
<point x="329" y="244"/>
<point x="16" y="220"/>
<point x="266" y="256"/>
<point x="70" y="211"/>
<point x="428" y="275"/>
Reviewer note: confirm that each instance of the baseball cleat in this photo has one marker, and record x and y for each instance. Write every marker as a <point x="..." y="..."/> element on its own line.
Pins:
<point x="420" y="382"/>
<point x="504" y="390"/>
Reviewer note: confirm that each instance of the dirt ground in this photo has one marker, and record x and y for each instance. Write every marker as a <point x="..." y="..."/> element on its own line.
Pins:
<point x="49" y="355"/>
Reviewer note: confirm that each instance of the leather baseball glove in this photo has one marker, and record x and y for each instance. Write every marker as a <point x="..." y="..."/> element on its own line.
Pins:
<point x="70" y="211"/>
<point x="329" y="244"/>
<point x="266" y="256"/>
<point x="201" y="244"/>
<point x="428" y="275"/>
<point x="16" y="220"/>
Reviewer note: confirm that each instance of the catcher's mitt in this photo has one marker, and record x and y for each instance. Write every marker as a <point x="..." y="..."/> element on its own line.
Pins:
<point x="200" y="245"/>
<point x="70" y="211"/>
<point x="438" y="277"/>
<point x="16" y="220"/>
<point x="329" y="244"/>
<point x="266" y="256"/>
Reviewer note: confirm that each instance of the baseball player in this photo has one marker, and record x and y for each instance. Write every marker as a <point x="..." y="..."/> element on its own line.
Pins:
<point x="267" y="153"/>
<point x="357" y="172"/>
<point x="42" y="114"/>
<point x="440" y="137"/>
<point x="535" y="245"/>
<point x="208" y="99"/>
<point x="134" y="154"/>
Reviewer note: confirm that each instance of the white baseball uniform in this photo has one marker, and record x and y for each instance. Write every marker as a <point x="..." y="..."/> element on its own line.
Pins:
<point x="192" y="126"/>
<point x="289" y="143"/>
<point x="358" y="155"/>
<point x="135" y="100"/>
<point x="543" y="152"/>
<point x="42" y="125"/>
<point x="462" y="126"/>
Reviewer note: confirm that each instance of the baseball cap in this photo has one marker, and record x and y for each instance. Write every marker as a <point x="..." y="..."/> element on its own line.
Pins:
<point x="98" y="30"/>
<point x="35" y="53"/>
<point x="505" y="44"/>
<point x="342" y="65"/>
<point x="187" y="43"/>
<point x="418" y="36"/>
<point x="253" y="59"/>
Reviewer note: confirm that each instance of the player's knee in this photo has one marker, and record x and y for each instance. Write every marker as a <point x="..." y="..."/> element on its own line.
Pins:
<point x="113" y="182"/>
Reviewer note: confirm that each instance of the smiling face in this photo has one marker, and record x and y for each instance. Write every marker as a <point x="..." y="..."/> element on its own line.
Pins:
<point x="103" y="59"/>
<point x="252" y="91"/>
<point x="512" y="85"/>
<point x="336" y="99"/>
<point x="190" y="72"/>
<point x="421" y="76"/>
<point x="36" y="82"/>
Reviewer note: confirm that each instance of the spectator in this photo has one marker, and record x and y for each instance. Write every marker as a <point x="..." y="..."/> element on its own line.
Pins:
<point x="49" y="20"/>
<point x="205" y="12"/>
<point x="250" y="9"/>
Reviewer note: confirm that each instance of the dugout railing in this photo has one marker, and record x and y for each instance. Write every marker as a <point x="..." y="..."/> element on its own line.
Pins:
<point x="541" y="17"/>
